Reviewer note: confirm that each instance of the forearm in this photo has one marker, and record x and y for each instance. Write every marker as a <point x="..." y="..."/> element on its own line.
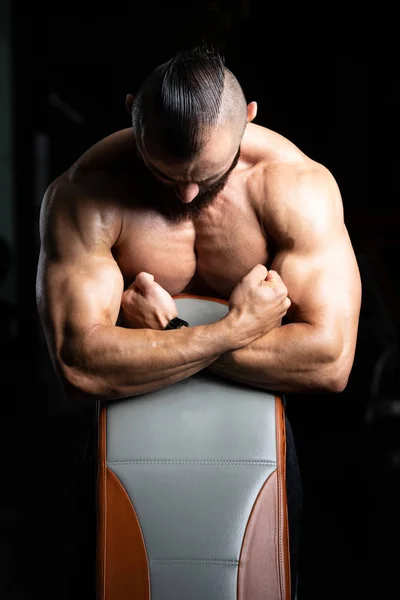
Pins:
<point x="292" y="358"/>
<point x="114" y="362"/>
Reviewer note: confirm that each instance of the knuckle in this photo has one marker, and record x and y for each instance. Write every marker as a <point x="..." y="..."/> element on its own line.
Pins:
<point x="284" y="290"/>
<point x="280" y="292"/>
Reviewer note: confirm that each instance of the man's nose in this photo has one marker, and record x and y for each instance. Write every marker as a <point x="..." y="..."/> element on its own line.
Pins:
<point x="186" y="192"/>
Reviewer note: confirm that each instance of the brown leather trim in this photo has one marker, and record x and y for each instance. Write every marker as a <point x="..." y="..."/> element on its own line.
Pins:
<point x="258" y="571"/>
<point x="123" y="570"/>
<point x="284" y="551"/>
<point x="220" y="300"/>
<point x="101" y="495"/>
<point x="264" y="567"/>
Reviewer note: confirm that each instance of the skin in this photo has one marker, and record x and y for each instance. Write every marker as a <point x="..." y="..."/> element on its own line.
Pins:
<point x="118" y="243"/>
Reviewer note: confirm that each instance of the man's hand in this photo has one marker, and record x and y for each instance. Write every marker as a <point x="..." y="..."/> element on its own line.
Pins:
<point x="260" y="300"/>
<point x="145" y="304"/>
<point x="264" y="296"/>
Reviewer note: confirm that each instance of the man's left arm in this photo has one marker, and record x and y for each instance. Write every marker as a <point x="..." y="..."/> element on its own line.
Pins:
<point x="314" y="351"/>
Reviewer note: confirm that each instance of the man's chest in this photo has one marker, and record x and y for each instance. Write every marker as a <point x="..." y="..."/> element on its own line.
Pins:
<point x="207" y="257"/>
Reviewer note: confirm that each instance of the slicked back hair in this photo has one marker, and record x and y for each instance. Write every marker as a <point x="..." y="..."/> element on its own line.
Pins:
<point x="180" y="101"/>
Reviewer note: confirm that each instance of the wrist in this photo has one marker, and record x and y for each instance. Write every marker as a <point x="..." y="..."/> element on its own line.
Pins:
<point x="233" y="337"/>
<point x="176" y="323"/>
<point x="237" y="335"/>
<point x="164" y="319"/>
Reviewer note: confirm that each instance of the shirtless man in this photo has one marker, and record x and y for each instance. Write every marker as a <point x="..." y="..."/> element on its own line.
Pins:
<point x="195" y="198"/>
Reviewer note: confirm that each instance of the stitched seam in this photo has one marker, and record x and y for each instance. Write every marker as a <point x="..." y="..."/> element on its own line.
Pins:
<point x="192" y="462"/>
<point x="280" y="543"/>
<point x="203" y="561"/>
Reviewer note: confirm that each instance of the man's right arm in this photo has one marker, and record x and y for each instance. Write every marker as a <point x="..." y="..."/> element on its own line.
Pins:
<point x="79" y="289"/>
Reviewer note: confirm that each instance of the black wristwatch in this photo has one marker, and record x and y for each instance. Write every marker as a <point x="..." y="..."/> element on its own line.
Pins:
<point x="176" y="323"/>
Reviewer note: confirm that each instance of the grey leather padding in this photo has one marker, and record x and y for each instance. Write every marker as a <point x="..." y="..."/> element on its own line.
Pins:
<point x="193" y="458"/>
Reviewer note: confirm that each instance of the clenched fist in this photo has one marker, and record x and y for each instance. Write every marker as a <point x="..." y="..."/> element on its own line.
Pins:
<point x="145" y="304"/>
<point x="258" y="302"/>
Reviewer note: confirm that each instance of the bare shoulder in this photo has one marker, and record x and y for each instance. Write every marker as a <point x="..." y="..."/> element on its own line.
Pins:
<point x="86" y="203"/>
<point x="298" y="196"/>
<point x="302" y="195"/>
<point x="77" y="213"/>
<point x="106" y="154"/>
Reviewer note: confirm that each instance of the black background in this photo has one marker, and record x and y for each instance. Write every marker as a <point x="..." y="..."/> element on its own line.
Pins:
<point x="329" y="81"/>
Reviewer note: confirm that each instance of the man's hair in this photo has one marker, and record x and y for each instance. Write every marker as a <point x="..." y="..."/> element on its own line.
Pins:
<point x="182" y="99"/>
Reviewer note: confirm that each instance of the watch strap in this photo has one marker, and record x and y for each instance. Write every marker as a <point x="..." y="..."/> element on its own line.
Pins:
<point x="176" y="323"/>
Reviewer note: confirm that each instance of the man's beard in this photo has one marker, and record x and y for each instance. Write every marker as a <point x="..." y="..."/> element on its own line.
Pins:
<point x="178" y="211"/>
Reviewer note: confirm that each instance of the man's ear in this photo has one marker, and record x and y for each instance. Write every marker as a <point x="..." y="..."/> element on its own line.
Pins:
<point x="251" y="111"/>
<point x="129" y="103"/>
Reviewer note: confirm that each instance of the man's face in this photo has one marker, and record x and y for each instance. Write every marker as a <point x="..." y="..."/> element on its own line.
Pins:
<point x="196" y="184"/>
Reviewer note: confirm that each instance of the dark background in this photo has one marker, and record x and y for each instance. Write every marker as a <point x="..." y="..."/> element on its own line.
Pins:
<point x="327" y="80"/>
